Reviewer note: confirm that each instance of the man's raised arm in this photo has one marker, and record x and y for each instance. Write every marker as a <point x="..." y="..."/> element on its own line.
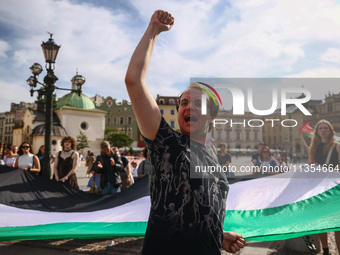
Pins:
<point x="144" y="106"/>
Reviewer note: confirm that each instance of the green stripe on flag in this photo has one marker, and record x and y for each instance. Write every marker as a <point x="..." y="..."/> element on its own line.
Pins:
<point x="320" y="213"/>
<point x="310" y="135"/>
<point x="74" y="230"/>
<point x="317" y="214"/>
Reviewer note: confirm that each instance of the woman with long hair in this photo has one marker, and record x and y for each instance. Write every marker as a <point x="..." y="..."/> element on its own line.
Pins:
<point x="26" y="160"/>
<point x="267" y="162"/>
<point x="66" y="163"/>
<point x="325" y="151"/>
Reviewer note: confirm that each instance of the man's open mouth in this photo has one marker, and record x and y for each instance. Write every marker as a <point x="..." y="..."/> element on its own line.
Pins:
<point x="190" y="118"/>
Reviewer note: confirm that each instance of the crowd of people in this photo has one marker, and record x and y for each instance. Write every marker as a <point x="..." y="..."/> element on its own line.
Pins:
<point x="110" y="168"/>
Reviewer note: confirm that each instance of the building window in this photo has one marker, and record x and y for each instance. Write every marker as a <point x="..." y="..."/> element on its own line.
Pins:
<point x="161" y="101"/>
<point x="121" y="120"/>
<point x="129" y="132"/>
<point x="172" y="124"/>
<point x="108" y="121"/>
<point x="129" y="120"/>
<point x="172" y="112"/>
<point x="238" y="135"/>
<point x="115" y="120"/>
<point x="256" y="135"/>
<point x="171" y="101"/>
<point x="330" y="107"/>
<point x="84" y="125"/>
<point x="247" y="136"/>
<point x="219" y="135"/>
<point x="162" y="111"/>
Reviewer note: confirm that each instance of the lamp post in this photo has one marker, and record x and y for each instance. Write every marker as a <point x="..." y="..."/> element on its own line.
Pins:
<point x="50" y="50"/>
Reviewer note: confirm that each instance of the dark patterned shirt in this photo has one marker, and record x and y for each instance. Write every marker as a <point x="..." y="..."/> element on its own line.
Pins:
<point x="187" y="208"/>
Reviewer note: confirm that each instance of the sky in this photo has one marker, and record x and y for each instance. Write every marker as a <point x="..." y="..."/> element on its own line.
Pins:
<point x="210" y="39"/>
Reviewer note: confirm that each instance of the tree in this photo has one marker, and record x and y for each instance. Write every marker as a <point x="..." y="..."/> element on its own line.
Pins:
<point x="109" y="131"/>
<point x="82" y="141"/>
<point x="119" y="140"/>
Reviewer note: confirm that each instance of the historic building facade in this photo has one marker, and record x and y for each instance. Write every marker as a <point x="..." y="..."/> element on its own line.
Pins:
<point x="120" y="116"/>
<point x="167" y="107"/>
<point x="240" y="133"/>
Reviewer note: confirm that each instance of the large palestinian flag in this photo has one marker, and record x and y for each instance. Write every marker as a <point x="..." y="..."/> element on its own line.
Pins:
<point x="271" y="208"/>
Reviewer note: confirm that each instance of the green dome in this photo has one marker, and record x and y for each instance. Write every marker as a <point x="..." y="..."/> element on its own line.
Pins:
<point x="72" y="99"/>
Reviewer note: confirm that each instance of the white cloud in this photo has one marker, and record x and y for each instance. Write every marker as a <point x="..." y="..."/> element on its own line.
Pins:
<point x="332" y="55"/>
<point x="4" y="47"/>
<point x="321" y="72"/>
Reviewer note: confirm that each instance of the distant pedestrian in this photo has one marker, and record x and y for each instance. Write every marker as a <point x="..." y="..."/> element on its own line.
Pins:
<point x="90" y="159"/>
<point x="80" y="159"/>
<point x="224" y="158"/>
<point x="144" y="168"/>
<point x="266" y="162"/>
<point x="125" y="173"/>
<point x="134" y="167"/>
<point x="256" y="155"/>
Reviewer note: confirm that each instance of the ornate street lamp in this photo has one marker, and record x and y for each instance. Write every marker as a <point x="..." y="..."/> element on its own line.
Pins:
<point x="50" y="50"/>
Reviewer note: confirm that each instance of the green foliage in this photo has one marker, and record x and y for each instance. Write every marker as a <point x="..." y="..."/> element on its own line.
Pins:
<point x="119" y="140"/>
<point x="109" y="131"/>
<point x="82" y="141"/>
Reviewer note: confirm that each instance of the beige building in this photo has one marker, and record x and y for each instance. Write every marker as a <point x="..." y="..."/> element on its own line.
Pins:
<point x="167" y="107"/>
<point x="284" y="135"/>
<point x="240" y="133"/>
<point x="330" y="110"/>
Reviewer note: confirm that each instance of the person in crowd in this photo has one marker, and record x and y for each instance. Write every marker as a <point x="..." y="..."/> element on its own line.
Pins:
<point x="185" y="216"/>
<point x="80" y="159"/>
<point x="94" y="177"/>
<point x="256" y="155"/>
<point x="66" y="163"/>
<point x="10" y="158"/>
<point x="26" y="160"/>
<point x="40" y="156"/>
<point x="325" y="151"/>
<point x="15" y="149"/>
<point x="108" y="165"/>
<point x="90" y="159"/>
<point x="144" y="168"/>
<point x="134" y="171"/>
<point x="125" y="173"/>
<point x="224" y="158"/>
<point x="266" y="162"/>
